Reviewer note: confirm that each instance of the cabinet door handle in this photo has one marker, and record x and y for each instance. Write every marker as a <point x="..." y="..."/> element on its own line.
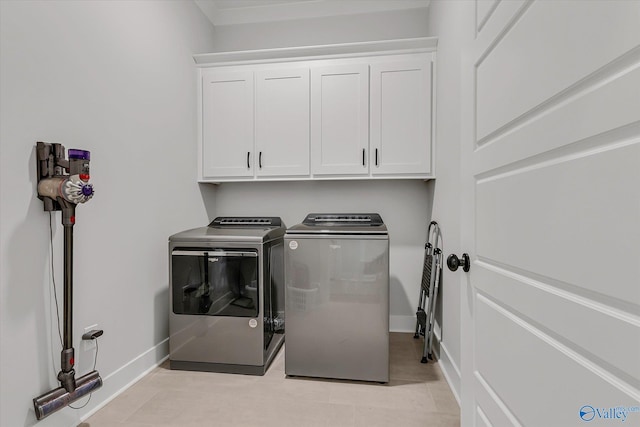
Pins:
<point x="376" y="157"/>
<point x="363" y="153"/>
<point x="248" y="164"/>
<point x="260" y="160"/>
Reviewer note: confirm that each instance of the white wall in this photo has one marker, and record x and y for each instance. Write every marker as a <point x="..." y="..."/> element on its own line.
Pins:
<point x="326" y="30"/>
<point x="118" y="79"/>
<point x="445" y="23"/>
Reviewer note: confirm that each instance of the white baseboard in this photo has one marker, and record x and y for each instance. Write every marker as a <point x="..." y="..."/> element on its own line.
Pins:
<point x="449" y="369"/>
<point x="402" y="323"/>
<point x="118" y="381"/>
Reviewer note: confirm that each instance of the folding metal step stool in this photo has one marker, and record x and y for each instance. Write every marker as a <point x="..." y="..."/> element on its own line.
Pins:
<point x="431" y="278"/>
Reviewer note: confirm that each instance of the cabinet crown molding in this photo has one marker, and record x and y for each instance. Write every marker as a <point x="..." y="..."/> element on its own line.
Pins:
<point x="329" y="51"/>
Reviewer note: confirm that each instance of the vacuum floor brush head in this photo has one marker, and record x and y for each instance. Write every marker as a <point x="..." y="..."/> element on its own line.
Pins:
<point x="59" y="398"/>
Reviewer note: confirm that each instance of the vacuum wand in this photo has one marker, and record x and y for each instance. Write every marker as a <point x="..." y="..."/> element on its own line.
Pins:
<point x="67" y="373"/>
<point x="59" y="191"/>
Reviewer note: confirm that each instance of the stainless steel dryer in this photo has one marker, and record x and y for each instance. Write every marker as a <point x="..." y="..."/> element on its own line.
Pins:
<point x="227" y="295"/>
<point x="337" y="297"/>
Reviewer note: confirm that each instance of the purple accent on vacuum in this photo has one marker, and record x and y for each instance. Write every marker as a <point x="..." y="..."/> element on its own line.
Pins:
<point x="79" y="154"/>
<point x="87" y="190"/>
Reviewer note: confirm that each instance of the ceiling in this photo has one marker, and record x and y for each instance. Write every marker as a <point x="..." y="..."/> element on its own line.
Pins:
<point x="230" y="12"/>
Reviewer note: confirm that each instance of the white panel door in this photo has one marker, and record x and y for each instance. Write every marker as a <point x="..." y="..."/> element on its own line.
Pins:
<point x="340" y="120"/>
<point x="282" y="122"/>
<point x="401" y="118"/>
<point x="551" y="214"/>
<point x="227" y="123"/>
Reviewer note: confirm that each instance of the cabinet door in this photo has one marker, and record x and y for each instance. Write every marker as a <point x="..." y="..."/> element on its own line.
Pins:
<point x="340" y="120"/>
<point x="282" y="122"/>
<point x="227" y="123"/>
<point x="401" y="118"/>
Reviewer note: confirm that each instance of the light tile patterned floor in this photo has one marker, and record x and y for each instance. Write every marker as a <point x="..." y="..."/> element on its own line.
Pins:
<point x="417" y="395"/>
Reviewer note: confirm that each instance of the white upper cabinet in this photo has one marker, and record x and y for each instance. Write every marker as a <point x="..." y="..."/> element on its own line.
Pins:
<point x="282" y="122"/>
<point x="352" y="111"/>
<point x="227" y="124"/>
<point x="401" y="118"/>
<point x="340" y="120"/>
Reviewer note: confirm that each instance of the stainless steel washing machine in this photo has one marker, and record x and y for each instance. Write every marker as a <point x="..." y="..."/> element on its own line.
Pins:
<point x="227" y="295"/>
<point x="337" y="297"/>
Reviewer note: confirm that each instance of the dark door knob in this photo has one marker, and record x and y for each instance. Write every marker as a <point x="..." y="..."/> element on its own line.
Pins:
<point x="453" y="262"/>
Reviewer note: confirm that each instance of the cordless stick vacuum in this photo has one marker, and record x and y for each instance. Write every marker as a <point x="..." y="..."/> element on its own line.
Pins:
<point x="62" y="192"/>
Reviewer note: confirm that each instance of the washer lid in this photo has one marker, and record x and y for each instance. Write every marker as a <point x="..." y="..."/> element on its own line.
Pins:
<point x="367" y="219"/>
<point x="340" y="223"/>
